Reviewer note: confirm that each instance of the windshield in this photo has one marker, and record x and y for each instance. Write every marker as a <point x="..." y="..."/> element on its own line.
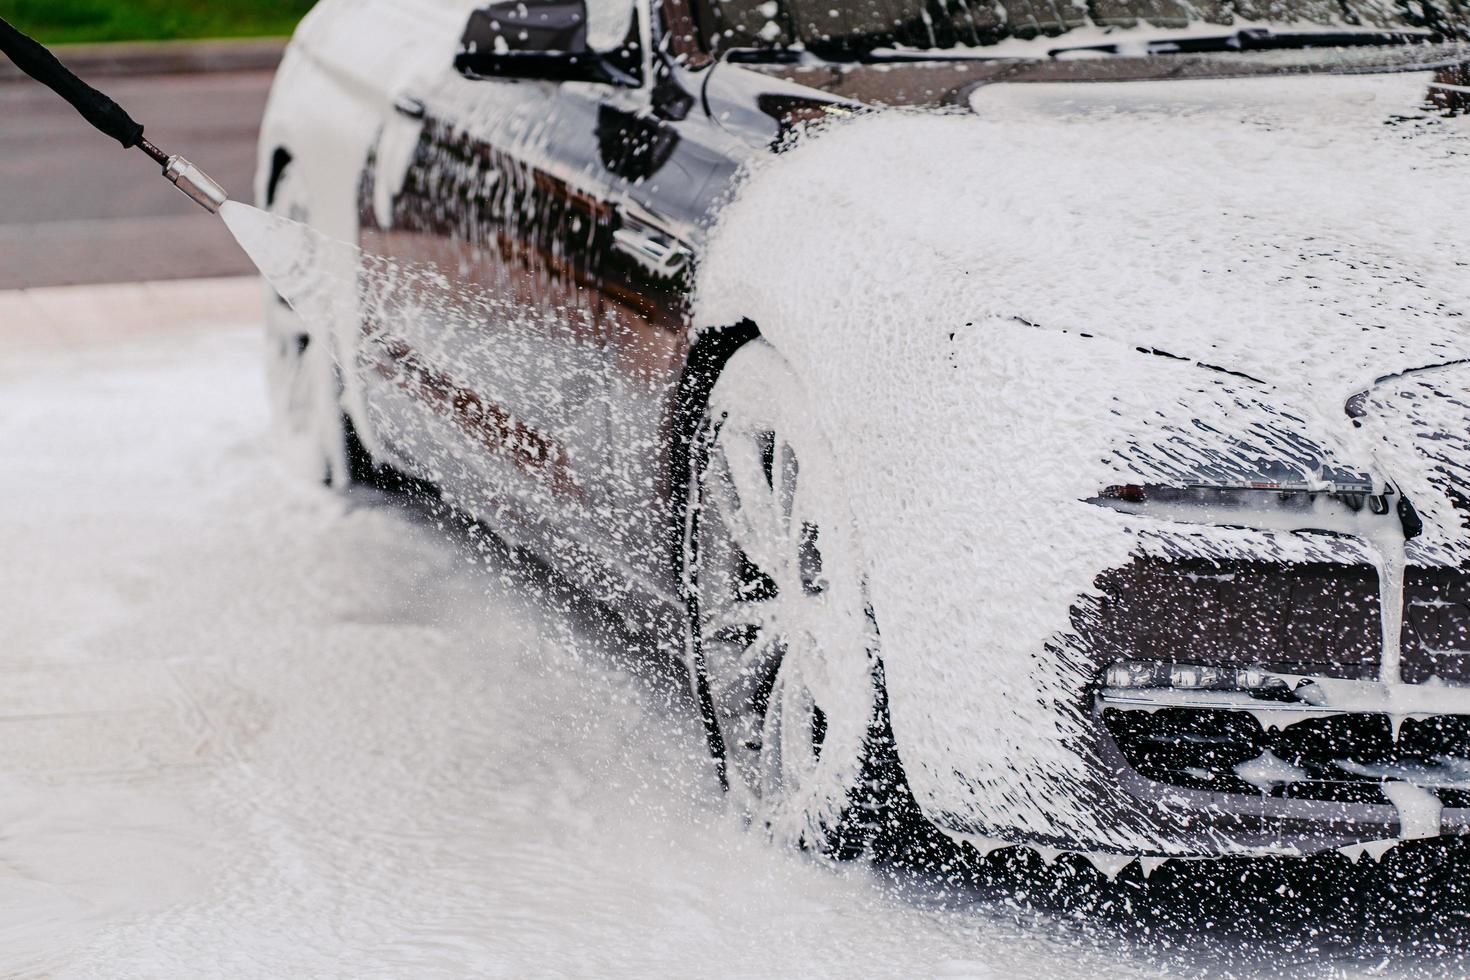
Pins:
<point x="857" y="26"/>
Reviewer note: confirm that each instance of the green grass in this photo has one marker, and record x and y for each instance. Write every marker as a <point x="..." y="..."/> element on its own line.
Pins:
<point x="77" y="21"/>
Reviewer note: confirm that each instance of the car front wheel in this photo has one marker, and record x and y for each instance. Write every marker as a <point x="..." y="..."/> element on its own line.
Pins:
<point x="781" y="641"/>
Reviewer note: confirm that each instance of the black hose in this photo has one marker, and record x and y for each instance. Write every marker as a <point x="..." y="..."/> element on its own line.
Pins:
<point x="31" y="57"/>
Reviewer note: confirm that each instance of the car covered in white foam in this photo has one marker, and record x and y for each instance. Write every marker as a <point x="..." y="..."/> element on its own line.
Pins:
<point x="1051" y="421"/>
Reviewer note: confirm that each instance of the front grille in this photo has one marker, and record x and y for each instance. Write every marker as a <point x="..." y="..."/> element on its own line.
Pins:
<point x="1343" y="759"/>
<point x="1436" y="625"/>
<point x="1310" y="619"/>
<point x="1307" y="619"/>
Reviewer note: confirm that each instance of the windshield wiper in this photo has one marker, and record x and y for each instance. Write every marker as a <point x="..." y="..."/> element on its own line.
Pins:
<point x="892" y="56"/>
<point x="1262" y="39"/>
<point x="767" y="56"/>
<point x="836" y="54"/>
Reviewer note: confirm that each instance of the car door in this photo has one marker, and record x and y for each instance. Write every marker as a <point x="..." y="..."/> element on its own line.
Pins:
<point x="578" y="207"/>
<point x="653" y="164"/>
<point x="504" y="403"/>
<point x="663" y="164"/>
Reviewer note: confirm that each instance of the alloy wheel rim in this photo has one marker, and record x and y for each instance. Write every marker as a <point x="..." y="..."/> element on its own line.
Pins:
<point x="782" y="621"/>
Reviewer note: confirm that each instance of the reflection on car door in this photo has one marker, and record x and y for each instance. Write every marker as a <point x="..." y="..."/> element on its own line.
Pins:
<point x="662" y="164"/>
<point x="580" y="206"/>
<point x="509" y="413"/>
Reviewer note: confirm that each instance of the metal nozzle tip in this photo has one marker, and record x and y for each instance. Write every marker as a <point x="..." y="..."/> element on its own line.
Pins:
<point x="196" y="184"/>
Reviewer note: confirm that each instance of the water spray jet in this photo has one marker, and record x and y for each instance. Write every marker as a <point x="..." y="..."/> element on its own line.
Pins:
<point x="33" y="58"/>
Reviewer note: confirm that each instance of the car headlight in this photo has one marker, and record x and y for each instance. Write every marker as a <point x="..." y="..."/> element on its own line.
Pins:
<point x="1334" y="507"/>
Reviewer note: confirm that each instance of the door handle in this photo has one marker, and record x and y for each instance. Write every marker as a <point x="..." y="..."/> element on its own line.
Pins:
<point x="407" y="105"/>
<point x="656" y="250"/>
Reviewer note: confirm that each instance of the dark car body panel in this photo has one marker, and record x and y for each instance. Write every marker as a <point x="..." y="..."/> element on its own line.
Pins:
<point x="591" y="169"/>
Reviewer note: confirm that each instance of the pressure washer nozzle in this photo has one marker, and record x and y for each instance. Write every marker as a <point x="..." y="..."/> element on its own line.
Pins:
<point x="198" y="185"/>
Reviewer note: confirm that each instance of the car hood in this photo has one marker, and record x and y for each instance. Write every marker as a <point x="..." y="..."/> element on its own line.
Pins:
<point x="1302" y="235"/>
<point x="1298" y="230"/>
<point x="1286" y="232"/>
<point x="995" y="309"/>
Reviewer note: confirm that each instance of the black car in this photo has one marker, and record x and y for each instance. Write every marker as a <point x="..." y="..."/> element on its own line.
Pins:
<point x="1008" y="407"/>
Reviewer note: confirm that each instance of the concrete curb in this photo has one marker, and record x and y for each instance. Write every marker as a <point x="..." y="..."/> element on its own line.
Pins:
<point x="164" y="57"/>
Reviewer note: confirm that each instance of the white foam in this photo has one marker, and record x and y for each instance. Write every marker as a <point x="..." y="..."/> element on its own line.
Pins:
<point x="973" y="335"/>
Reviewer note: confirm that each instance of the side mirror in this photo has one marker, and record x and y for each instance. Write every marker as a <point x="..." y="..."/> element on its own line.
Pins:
<point x="544" y="40"/>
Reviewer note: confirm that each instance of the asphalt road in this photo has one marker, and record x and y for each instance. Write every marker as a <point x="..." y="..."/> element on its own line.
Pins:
<point x="76" y="208"/>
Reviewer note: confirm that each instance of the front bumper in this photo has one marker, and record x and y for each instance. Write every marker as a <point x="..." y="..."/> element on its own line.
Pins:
<point x="1007" y="742"/>
<point x="1344" y="763"/>
<point x="1330" y="758"/>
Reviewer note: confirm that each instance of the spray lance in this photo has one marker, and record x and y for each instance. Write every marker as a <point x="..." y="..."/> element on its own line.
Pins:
<point x="31" y="57"/>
